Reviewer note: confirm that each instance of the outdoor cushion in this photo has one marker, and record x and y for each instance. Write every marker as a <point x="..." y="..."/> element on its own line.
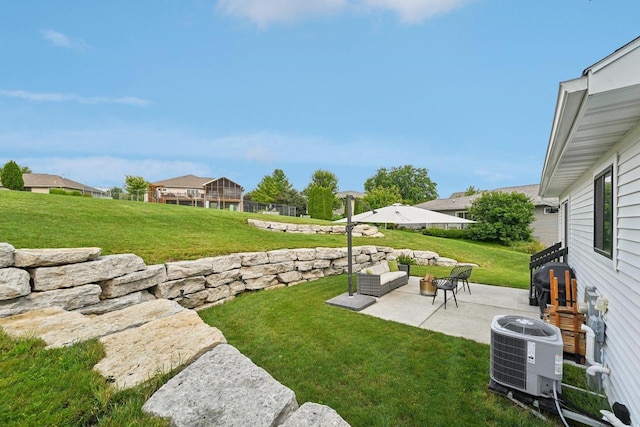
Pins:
<point x="393" y="266"/>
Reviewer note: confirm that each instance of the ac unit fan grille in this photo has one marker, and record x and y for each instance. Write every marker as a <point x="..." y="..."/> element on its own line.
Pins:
<point x="509" y="360"/>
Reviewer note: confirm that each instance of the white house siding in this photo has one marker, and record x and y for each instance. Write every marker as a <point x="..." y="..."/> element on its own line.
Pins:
<point x="619" y="279"/>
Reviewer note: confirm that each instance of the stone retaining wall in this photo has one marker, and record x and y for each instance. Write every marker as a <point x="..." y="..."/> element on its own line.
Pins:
<point x="283" y="227"/>
<point x="80" y="279"/>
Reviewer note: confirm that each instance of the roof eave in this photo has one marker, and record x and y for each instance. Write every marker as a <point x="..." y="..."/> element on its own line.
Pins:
<point x="572" y="98"/>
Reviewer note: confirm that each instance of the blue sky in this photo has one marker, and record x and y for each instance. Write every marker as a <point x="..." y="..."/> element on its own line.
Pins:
<point x="95" y="91"/>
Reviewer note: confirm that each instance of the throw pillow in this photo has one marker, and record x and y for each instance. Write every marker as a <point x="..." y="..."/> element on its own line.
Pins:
<point x="393" y="266"/>
<point x="368" y="271"/>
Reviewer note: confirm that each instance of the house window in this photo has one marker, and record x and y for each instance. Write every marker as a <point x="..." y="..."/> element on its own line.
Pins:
<point x="603" y="213"/>
<point x="550" y="210"/>
<point x="462" y="214"/>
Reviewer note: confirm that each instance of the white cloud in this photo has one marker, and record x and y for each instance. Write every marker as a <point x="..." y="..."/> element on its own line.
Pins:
<point x="65" y="97"/>
<point x="264" y="13"/>
<point x="415" y="11"/>
<point x="61" y="40"/>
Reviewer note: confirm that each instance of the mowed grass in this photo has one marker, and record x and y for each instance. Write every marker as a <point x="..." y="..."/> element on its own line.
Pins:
<point x="161" y="233"/>
<point x="373" y="372"/>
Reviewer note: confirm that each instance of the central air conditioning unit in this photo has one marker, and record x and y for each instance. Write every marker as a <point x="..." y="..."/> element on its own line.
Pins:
<point x="526" y="354"/>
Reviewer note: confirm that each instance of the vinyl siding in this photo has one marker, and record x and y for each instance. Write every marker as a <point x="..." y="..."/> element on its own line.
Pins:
<point x="619" y="279"/>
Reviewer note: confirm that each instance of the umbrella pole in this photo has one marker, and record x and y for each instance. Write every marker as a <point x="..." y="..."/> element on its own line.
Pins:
<point x="349" y="247"/>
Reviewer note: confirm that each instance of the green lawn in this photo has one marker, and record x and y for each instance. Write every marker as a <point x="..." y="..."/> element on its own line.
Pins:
<point x="373" y="372"/>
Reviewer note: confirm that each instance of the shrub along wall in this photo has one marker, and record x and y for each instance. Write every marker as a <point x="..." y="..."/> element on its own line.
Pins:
<point x="81" y="279"/>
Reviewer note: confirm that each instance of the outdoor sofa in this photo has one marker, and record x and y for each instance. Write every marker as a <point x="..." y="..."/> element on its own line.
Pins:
<point x="379" y="279"/>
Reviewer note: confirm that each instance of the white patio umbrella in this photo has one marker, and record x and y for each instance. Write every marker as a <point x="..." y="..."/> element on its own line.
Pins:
<point x="406" y="215"/>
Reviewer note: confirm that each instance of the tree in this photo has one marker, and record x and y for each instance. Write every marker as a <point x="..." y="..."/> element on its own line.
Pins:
<point x="471" y="190"/>
<point x="320" y="201"/>
<point x="136" y="186"/>
<point x="379" y="197"/>
<point x="323" y="178"/>
<point x="501" y="217"/>
<point x="277" y="189"/>
<point x="413" y="184"/>
<point x="11" y="176"/>
<point x="116" y="193"/>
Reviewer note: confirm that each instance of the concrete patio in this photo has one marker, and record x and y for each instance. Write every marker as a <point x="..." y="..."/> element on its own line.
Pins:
<point x="471" y="319"/>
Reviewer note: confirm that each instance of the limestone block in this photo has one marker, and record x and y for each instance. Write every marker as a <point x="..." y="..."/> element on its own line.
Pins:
<point x="313" y="274"/>
<point x="258" y="223"/>
<point x="326" y="229"/>
<point x="372" y="232"/>
<point x="225" y="388"/>
<point x="445" y="262"/>
<point x="304" y="265"/>
<point x="378" y="257"/>
<point x="306" y="254"/>
<point x="278" y="226"/>
<point x="59" y="328"/>
<point x="205" y="296"/>
<point x="182" y="269"/>
<point x="290" y="276"/>
<point x="340" y="262"/>
<point x="266" y="269"/>
<point x="368" y="249"/>
<point x="253" y="258"/>
<point x="339" y="229"/>
<point x="281" y="255"/>
<point x="293" y="227"/>
<point x="236" y="288"/>
<point x="424" y="257"/>
<point x="50" y="257"/>
<point x="113" y="304"/>
<point x="133" y="282"/>
<point x="362" y="258"/>
<point x="331" y="253"/>
<point x="306" y="229"/>
<point x="175" y="288"/>
<point x="322" y="263"/>
<point x="69" y="299"/>
<point x="14" y="283"/>
<point x="333" y="271"/>
<point x="134" y="356"/>
<point x="226" y="263"/>
<point x="6" y="255"/>
<point x="385" y="249"/>
<point x="315" y="415"/>
<point x="70" y="275"/>
<point x="224" y="278"/>
<point x="261" y="282"/>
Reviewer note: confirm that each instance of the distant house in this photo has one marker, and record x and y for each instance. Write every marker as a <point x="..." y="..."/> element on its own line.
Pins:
<point x="544" y="226"/>
<point x="191" y="190"/>
<point x="593" y="166"/>
<point x="43" y="183"/>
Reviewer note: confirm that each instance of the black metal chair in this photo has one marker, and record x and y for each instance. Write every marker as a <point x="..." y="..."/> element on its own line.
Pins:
<point x="446" y="284"/>
<point x="462" y="273"/>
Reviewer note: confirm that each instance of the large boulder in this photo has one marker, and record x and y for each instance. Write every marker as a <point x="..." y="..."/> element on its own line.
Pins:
<point x="223" y="388"/>
<point x="315" y="415"/>
<point x="134" y="356"/>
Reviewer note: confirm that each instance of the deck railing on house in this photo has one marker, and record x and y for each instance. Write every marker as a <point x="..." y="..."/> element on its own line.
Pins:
<point x="551" y="254"/>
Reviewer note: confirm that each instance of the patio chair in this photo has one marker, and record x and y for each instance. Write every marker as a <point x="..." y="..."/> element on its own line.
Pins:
<point x="462" y="273"/>
<point x="446" y="284"/>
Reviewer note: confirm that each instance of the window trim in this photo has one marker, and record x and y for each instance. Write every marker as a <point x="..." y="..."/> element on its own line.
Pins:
<point x="600" y="215"/>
